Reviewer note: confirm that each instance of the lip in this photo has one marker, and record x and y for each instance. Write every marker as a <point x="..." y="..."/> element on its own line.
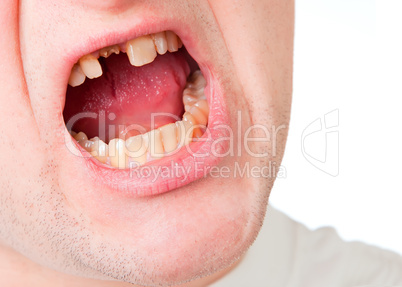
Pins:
<point x="190" y="162"/>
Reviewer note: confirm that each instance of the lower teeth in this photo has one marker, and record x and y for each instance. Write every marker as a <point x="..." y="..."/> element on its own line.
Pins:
<point x="157" y="143"/>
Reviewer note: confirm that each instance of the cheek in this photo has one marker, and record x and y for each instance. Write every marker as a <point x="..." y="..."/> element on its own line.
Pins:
<point x="260" y="39"/>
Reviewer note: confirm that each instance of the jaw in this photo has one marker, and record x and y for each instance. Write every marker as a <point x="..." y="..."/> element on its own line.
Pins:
<point x="113" y="231"/>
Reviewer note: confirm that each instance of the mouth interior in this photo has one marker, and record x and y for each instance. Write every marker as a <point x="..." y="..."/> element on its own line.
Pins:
<point x="123" y="112"/>
<point x="129" y="95"/>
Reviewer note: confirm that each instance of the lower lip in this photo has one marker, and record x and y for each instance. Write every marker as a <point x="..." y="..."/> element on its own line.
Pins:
<point x="174" y="171"/>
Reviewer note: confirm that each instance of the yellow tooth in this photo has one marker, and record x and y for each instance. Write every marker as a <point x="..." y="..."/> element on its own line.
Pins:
<point x="154" y="145"/>
<point x="196" y="81"/>
<point x="141" y="51"/>
<point x="189" y="99"/>
<point x="160" y="42"/>
<point x="90" y="66"/>
<point x="77" y="76"/>
<point x="203" y="106"/>
<point x="169" y="137"/>
<point x="189" y="118"/>
<point x="199" y="116"/>
<point x="73" y="133"/>
<point x="80" y="137"/>
<point x="184" y="133"/>
<point x="172" y="41"/>
<point x="87" y="145"/>
<point x="137" y="149"/>
<point x="107" y="51"/>
<point x="198" y="94"/>
<point x="117" y="153"/>
<point x="99" y="150"/>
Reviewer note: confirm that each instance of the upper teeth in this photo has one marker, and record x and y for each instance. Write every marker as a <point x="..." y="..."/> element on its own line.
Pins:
<point x="107" y="51"/>
<point x="141" y="51"/>
<point x="160" y="41"/>
<point x="90" y="66"/>
<point x="77" y="76"/>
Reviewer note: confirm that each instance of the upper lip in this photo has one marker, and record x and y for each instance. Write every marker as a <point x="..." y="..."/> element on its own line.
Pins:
<point x="124" y="181"/>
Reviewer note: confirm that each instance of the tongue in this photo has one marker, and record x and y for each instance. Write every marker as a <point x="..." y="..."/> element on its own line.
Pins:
<point x="128" y="96"/>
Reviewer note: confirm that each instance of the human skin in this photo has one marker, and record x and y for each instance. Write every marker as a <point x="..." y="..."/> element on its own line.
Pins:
<point x="58" y="223"/>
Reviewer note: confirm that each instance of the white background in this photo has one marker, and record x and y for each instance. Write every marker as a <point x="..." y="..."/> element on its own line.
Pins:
<point x="348" y="56"/>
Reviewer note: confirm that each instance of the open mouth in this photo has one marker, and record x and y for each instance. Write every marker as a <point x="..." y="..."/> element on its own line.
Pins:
<point x="151" y="93"/>
<point x="140" y="102"/>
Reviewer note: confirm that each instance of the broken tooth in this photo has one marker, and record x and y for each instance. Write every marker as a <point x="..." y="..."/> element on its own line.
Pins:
<point x="169" y="137"/>
<point x="160" y="42"/>
<point x="77" y="76"/>
<point x="117" y="153"/>
<point x="141" y="51"/>
<point x="107" y="51"/>
<point x="90" y="66"/>
<point x="172" y="41"/>
<point x="154" y="144"/>
<point x="136" y="150"/>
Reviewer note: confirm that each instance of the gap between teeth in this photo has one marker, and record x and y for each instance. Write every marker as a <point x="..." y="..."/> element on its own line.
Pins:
<point x="155" y="144"/>
<point x="140" y="51"/>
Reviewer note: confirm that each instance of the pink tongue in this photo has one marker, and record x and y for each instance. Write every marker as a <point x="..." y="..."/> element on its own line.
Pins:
<point x="128" y="96"/>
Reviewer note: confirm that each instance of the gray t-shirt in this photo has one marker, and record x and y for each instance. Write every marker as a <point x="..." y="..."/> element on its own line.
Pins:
<point x="287" y="254"/>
